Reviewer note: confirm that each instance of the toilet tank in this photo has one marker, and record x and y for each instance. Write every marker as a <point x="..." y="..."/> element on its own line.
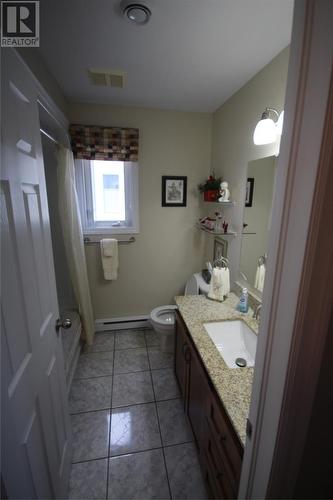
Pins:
<point x="196" y="285"/>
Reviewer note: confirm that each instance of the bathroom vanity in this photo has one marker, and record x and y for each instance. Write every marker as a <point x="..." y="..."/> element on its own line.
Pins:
<point x="216" y="398"/>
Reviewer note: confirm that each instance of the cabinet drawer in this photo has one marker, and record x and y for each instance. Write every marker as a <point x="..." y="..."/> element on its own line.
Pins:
<point x="224" y="436"/>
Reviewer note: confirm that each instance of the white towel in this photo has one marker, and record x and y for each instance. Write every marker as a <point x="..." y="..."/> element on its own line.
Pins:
<point x="219" y="285"/>
<point x="260" y="277"/>
<point x="109" y="254"/>
<point x="109" y="247"/>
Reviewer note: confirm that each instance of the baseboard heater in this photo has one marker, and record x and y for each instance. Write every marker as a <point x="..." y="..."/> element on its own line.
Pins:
<point x="124" y="323"/>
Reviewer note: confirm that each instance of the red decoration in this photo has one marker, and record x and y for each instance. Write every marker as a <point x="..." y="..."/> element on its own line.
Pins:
<point x="211" y="195"/>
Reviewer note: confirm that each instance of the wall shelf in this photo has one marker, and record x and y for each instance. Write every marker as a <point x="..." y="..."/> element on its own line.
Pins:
<point x="212" y="231"/>
<point x="224" y="204"/>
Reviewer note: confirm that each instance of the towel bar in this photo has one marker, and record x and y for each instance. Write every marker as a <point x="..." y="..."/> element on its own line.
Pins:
<point x="88" y="241"/>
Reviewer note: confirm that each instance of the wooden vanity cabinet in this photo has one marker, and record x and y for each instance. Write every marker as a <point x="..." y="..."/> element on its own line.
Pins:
<point x="220" y="451"/>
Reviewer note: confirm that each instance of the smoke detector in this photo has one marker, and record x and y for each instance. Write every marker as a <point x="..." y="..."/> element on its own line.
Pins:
<point x="136" y="12"/>
<point x="107" y="78"/>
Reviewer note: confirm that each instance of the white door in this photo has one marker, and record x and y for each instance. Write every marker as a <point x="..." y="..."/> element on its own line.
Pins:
<point x="36" y="436"/>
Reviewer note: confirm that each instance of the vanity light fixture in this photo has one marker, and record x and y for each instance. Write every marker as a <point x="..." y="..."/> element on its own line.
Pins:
<point x="267" y="129"/>
<point x="279" y="123"/>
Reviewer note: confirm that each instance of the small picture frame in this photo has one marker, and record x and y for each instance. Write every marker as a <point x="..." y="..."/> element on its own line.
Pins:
<point x="249" y="191"/>
<point x="220" y="248"/>
<point x="174" y="191"/>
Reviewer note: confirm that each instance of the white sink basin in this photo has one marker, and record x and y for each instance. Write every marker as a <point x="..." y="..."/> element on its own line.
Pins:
<point x="233" y="339"/>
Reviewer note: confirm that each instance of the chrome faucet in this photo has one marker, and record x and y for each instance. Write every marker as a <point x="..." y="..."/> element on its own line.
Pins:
<point x="257" y="311"/>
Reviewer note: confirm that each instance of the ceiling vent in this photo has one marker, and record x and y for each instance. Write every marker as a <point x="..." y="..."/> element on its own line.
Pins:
<point x="107" y="78"/>
<point x="138" y="12"/>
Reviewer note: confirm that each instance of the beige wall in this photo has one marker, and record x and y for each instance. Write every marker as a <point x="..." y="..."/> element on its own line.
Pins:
<point x="168" y="249"/>
<point x="233" y="148"/>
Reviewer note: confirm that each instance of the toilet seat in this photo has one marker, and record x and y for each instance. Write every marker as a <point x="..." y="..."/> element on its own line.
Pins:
<point x="164" y="315"/>
<point x="162" y="318"/>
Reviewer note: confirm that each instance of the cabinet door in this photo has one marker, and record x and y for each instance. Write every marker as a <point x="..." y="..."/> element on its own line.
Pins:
<point x="198" y="390"/>
<point x="182" y="358"/>
<point x="222" y="442"/>
<point x="214" y="470"/>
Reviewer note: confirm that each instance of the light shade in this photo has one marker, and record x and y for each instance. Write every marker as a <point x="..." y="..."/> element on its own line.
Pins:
<point x="279" y="123"/>
<point x="265" y="132"/>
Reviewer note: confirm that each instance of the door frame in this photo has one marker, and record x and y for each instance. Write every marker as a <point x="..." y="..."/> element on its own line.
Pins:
<point x="54" y="117"/>
<point x="301" y="186"/>
<point x="313" y="315"/>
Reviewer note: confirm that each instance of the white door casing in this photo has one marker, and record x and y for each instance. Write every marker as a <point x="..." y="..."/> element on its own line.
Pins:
<point x="36" y="435"/>
<point x="298" y="169"/>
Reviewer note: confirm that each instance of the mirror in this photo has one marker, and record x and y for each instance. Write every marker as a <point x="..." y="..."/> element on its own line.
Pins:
<point x="257" y="220"/>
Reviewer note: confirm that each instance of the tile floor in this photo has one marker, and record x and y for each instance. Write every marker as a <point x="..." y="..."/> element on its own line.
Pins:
<point x="131" y="438"/>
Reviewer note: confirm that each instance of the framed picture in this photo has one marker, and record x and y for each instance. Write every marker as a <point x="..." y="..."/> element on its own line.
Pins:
<point x="249" y="191"/>
<point x="174" y="191"/>
<point x="220" y="248"/>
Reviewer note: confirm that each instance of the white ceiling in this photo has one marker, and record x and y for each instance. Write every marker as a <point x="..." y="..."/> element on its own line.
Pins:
<point x="192" y="55"/>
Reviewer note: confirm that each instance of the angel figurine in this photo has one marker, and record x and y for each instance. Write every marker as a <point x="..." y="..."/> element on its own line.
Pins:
<point x="224" y="192"/>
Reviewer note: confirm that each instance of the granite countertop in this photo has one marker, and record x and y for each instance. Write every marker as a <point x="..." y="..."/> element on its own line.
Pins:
<point x="233" y="385"/>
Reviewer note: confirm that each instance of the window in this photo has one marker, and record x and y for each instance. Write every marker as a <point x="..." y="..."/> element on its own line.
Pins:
<point x="108" y="196"/>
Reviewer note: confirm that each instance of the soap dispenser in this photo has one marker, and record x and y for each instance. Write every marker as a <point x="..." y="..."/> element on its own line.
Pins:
<point x="243" y="305"/>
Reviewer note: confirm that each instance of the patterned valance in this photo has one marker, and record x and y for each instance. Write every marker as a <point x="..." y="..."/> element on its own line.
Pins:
<point x="104" y="143"/>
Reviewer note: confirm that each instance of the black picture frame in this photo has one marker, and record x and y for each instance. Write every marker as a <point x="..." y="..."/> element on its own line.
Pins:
<point x="220" y="248"/>
<point x="174" y="191"/>
<point x="249" y="191"/>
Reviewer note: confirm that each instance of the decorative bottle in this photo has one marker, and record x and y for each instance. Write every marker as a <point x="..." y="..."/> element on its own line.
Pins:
<point x="243" y="305"/>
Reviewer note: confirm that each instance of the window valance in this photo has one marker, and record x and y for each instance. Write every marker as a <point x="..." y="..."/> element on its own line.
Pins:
<point x="104" y="143"/>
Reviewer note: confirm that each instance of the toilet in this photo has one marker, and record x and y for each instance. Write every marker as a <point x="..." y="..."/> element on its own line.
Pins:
<point x="162" y="318"/>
